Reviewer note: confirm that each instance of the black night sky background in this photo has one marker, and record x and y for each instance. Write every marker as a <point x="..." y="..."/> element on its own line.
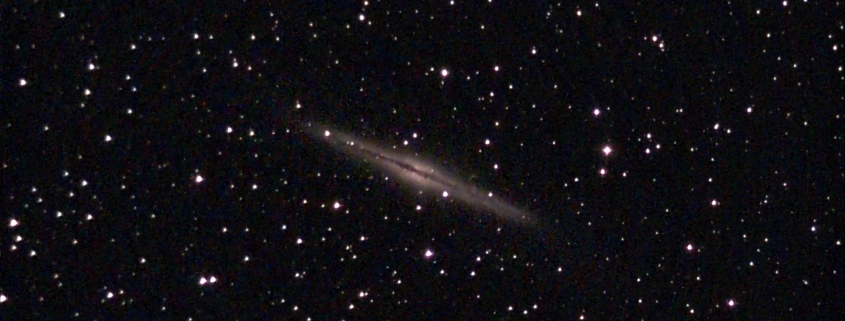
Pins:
<point x="686" y="161"/>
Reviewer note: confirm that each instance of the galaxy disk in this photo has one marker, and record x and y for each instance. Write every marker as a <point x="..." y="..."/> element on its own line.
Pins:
<point x="419" y="174"/>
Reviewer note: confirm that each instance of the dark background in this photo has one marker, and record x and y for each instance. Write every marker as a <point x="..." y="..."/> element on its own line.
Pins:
<point x="722" y="197"/>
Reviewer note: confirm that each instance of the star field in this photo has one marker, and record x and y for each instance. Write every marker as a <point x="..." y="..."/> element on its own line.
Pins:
<point x="684" y="161"/>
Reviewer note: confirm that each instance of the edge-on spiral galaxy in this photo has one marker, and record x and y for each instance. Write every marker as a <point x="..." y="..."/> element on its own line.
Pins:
<point x="418" y="174"/>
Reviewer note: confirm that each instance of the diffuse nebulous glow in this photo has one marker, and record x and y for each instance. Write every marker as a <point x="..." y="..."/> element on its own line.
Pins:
<point x="418" y="174"/>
